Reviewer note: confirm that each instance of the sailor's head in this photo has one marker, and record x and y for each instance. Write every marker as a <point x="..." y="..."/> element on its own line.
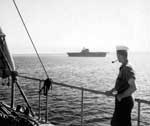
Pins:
<point x="122" y="52"/>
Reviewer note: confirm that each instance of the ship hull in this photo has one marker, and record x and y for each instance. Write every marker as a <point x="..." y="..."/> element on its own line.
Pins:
<point x="91" y="54"/>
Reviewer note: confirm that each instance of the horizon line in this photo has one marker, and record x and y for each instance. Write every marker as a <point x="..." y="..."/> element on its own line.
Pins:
<point x="66" y="53"/>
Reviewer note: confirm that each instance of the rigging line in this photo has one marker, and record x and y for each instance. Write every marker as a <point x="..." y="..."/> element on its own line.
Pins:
<point x="30" y="38"/>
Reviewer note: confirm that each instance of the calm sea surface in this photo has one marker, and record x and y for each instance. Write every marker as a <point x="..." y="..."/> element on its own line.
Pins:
<point x="94" y="73"/>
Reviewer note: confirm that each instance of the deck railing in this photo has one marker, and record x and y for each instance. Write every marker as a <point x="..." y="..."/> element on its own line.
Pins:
<point x="139" y="101"/>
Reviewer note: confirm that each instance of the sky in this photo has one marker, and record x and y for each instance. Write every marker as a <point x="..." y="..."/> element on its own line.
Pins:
<point x="60" y="26"/>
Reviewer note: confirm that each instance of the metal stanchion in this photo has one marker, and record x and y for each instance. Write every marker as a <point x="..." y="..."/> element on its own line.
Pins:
<point x="40" y="100"/>
<point x="46" y="112"/>
<point x="139" y="106"/>
<point x="82" y="92"/>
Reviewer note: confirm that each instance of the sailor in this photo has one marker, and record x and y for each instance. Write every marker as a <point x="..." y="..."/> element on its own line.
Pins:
<point x="124" y="88"/>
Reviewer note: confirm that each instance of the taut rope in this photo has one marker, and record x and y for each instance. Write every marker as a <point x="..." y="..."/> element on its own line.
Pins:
<point x="30" y="38"/>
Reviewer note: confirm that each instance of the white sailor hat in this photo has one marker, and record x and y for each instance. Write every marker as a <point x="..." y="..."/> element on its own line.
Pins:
<point x="125" y="48"/>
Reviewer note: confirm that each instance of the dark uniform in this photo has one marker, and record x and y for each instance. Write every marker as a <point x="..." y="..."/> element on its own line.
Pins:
<point x="123" y="108"/>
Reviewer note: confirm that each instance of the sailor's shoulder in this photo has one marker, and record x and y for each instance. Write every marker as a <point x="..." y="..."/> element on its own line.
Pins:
<point x="128" y="67"/>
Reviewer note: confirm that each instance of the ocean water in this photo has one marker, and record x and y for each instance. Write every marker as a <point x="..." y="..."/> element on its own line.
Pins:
<point x="97" y="73"/>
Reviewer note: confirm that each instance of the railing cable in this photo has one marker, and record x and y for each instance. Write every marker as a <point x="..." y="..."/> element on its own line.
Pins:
<point x="139" y="101"/>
